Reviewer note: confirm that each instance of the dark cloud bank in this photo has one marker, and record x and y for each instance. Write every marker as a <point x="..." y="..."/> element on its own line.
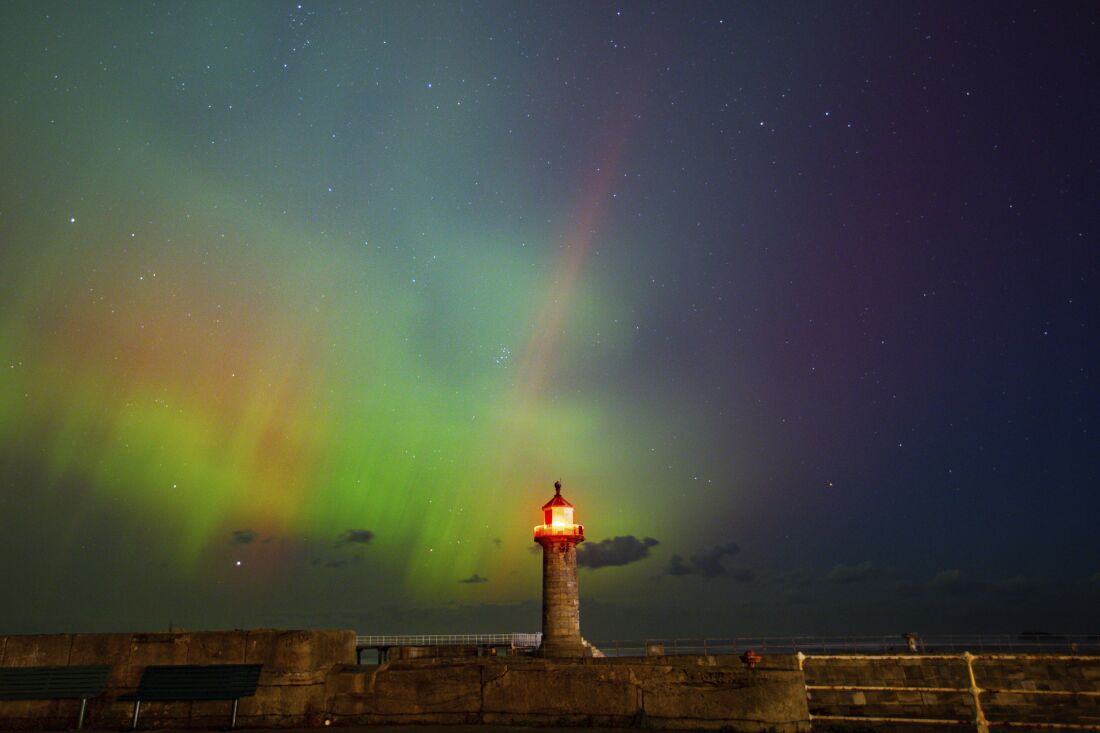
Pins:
<point x="852" y="574"/>
<point x="243" y="537"/>
<point x="614" y="551"/>
<point x="708" y="564"/>
<point x="355" y="537"/>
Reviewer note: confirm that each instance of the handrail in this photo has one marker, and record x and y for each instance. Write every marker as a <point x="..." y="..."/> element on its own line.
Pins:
<point x="514" y="640"/>
<point x="979" y="644"/>
<point x="985" y="645"/>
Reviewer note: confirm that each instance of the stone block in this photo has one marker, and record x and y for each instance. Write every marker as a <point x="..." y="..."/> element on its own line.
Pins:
<point x="23" y="714"/>
<point x="111" y="649"/>
<point x="212" y="714"/>
<point x="417" y="690"/>
<point x="292" y="704"/>
<point x="38" y="650"/>
<point x="904" y="702"/>
<point x="107" y="712"/>
<point x="299" y="651"/>
<point x="350" y="680"/>
<point x="217" y="647"/>
<point x="740" y="699"/>
<point x="551" y="689"/>
<point x="164" y="714"/>
<point x="154" y="649"/>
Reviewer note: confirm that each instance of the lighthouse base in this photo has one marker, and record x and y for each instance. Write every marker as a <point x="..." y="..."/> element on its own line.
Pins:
<point x="563" y="648"/>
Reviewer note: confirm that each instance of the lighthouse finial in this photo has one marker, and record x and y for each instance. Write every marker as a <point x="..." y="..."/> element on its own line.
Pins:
<point x="557" y="487"/>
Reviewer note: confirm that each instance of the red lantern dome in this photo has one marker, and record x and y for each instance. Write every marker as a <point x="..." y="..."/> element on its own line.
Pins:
<point x="557" y="518"/>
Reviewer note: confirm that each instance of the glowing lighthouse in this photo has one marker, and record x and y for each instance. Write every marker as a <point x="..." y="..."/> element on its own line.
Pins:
<point x="561" y="608"/>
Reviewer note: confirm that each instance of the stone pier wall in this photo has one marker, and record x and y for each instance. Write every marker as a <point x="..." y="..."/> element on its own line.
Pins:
<point x="292" y="690"/>
<point x="309" y="677"/>
<point x="849" y="692"/>
<point x="702" y="693"/>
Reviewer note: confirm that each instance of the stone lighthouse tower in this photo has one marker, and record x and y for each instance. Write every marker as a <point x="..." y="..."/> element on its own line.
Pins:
<point x="561" y="608"/>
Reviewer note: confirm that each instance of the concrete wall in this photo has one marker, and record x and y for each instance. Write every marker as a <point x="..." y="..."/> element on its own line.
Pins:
<point x="1018" y="689"/>
<point x="291" y="692"/>
<point x="695" y="692"/>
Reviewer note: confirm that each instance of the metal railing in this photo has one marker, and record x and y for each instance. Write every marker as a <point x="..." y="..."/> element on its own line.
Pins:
<point x="514" y="641"/>
<point x="1076" y="644"/>
<point x="559" y="530"/>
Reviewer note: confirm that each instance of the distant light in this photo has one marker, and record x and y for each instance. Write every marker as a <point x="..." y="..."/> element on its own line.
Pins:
<point x="72" y="220"/>
<point x="238" y="563"/>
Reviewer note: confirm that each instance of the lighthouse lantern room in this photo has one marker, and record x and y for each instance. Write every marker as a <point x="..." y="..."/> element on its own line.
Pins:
<point x="557" y="517"/>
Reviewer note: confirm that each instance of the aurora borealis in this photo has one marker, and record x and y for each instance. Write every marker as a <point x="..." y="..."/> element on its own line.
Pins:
<point x="305" y="306"/>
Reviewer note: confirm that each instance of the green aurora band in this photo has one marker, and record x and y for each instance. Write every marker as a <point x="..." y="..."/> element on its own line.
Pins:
<point x="186" y="354"/>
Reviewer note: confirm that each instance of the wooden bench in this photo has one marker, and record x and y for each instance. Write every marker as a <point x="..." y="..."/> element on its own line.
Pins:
<point x="191" y="682"/>
<point x="54" y="683"/>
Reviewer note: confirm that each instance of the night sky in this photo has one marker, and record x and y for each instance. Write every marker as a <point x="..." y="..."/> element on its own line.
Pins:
<point x="305" y="307"/>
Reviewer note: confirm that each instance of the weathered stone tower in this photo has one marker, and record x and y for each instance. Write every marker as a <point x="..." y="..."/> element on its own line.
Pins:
<point x="561" y="606"/>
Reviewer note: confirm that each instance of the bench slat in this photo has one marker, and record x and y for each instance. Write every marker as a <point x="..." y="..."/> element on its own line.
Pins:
<point x="52" y="683"/>
<point x="197" y="682"/>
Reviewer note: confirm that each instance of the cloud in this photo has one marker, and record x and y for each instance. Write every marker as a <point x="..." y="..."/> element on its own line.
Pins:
<point x="498" y="542"/>
<point x="614" y="552"/>
<point x="474" y="579"/>
<point x="708" y="564"/>
<point x="792" y="586"/>
<point x="742" y="575"/>
<point x="850" y="574"/>
<point x="242" y="537"/>
<point x="355" y="537"/>
<point x="335" y="563"/>
<point x="954" y="581"/>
